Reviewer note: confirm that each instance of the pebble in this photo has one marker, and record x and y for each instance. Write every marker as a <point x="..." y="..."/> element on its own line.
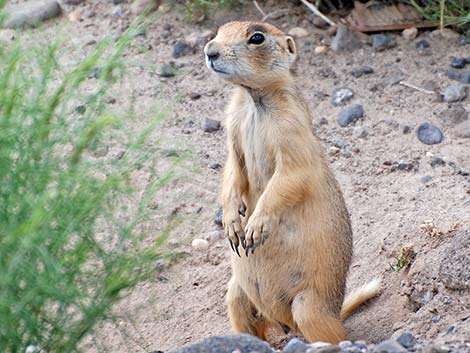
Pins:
<point x="406" y="129"/>
<point x="454" y="115"/>
<point x="31" y="14"/>
<point x="455" y="93"/>
<point x="341" y="95"/>
<point x="200" y="244"/>
<point x="459" y="63"/>
<point x="429" y="134"/>
<point x="167" y="70"/>
<point x="298" y="32"/>
<point x="463" y="129"/>
<point x="72" y="2"/>
<point x="319" y="22"/>
<point x="365" y="70"/>
<point x="210" y="125"/>
<point x="139" y="6"/>
<point x="196" y="39"/>
<point x="382" y="42"/>
<point x="422" y="44"/>
<point x="218" y="216"/>
<point x="389" y="346"/>
<point x="117" y="11"/>
<point x="437" y="161"/>
<point x="181" y="48"/>
<point x="394" y="78"/>
<point x="360" y="132"/>
<point x="463" y="77"/>
<point x="410" y="33"/>
<point x="194" y="95"/>
<point x="345" y="40"/>
<point x="426" y="179"/>
<point x="407" y="340"/>
<point x="464" y="40"/>
<point x="321" y="49"/>
<point x="295" y="345"/>
<point x="350" y="115"/>
<point x="80" y="109"/>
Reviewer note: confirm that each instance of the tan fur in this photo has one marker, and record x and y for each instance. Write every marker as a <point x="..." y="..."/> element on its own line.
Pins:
<point x="296" y="221"/>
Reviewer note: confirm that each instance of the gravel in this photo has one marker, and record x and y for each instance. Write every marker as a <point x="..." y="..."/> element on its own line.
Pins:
<point x="429" y="134"/>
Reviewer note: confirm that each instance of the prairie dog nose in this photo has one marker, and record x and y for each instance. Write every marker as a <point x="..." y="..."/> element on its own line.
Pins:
<point x="211" y="51"/>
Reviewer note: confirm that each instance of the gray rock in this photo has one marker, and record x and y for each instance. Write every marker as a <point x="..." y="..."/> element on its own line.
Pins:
<point x="218" y="216"/>
<point x="407" y="340"/>
<point x="453" y="271"/>
<point x="227" y="344"/>
<point x="295" y="346"/>
<point x="426" y="179"/>
<point x="463" y="129"/>
<point x="31" y="13"/>
<point x="360" y="132"/>
<point x="463" y="77"/>
<point x="72" y="2"/>
<point x="382" y="41"/>
<point x="454" y="115"/>
<point x="329" y="349"/>
<point x="210" y="125"/>
<point x="319" y="22"/>
<point x="167" y="70"/>
<point x="350" y="115"/>
<point x="455" y="93"/>
<point x="429" y="134"/>
<point x="394" y="77"/>
<point x="361" y="71"/>
<point x="437" y="161"/>
<point x="345" y="40"/>
<point x="181" y="48"/>
<point x="458" y="63"/>
<point x="389" y="346"/>
<point x="341" y="95"/>
<point x="422" y="44"/>
<point x="464" y="40"/>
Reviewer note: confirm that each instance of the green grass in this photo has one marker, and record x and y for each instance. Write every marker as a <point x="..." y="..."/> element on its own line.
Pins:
<point x="198" y="8"/>
<point x="69" y="249"/>
<point x="444" y="12"/>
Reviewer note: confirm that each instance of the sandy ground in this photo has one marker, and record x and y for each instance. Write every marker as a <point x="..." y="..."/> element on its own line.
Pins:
<point x="185" y="302"/>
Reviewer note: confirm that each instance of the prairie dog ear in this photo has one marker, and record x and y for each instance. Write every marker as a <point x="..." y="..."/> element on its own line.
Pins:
<point x="291" y="49"/>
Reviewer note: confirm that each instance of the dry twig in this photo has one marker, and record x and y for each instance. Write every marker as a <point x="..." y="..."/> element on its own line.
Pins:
<point x="317" y="12"/>
<point x="269" y="15"/>
<point x="407" y="84"/>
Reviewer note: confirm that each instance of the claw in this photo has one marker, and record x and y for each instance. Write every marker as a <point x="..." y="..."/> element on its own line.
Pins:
<point x="247" y="251"/>
<point x="243" y="241"/>
<point x="253" y="248"/>
<point x="236" y="250"/>
<point x="242" y="209"/>
<point x="231" y="245"/>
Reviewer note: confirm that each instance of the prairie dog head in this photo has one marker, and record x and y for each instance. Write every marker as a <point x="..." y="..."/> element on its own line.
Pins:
<point x="251" y="54"/>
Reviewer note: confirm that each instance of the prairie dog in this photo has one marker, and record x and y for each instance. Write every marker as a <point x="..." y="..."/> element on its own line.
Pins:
<point x="283" y="211"/>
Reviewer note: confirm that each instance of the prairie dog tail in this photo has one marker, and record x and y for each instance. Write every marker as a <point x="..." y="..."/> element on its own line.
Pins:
<point x="358" y="296"/>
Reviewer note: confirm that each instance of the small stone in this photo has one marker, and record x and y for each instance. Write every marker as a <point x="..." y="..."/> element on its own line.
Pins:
<point x="329" y="349"/>
<point x="463" y="77"/>
<point x="196" y="39"/>
<point x="200" y="244"/>
<point x="218" y="216"/>
<point x="437" y="161"/>
<point x="210" y="125"/>
<point x="80" y="109"/>
<point x="422" y="44"/>
<point x="463" y="129"/>
<point x="464" y="40"/>
<point x="340" y="96"/>
<point x="295" y="345"/>
<point x="389" y="346"/>
<point x="117" y="11"/>
<point x="382" y="41"/>
<point x="139" y="6"/>
<point x="429" y="134"/>
<point x="167" y="71"/>
<point x="458" y="63"/>
<point x="181" y="48"/>
<point x="215" y="166"/>
<point x="406" y="129"/>
<point x="333" y="151"/>
<point x="338" y="142"/>
<point x="410" y="33"/>
<point x="194" y="95"/>
<point x="345" y="39"/>
<point x="7" y="35"/>
<point x="446" y="33"/>
<point x="298" y="32"/>
<point x="360" y="132"/>
<point x="405" y="166"/>
<point x="30" y="14"/>
<point x="426" y="179"/>
<point x="213" y="236"/>
<point x="227" y="344"/>
<point x="394" y="78"/>
<point x="407" y="340"/>
<point x="117" y="2"/>
<point x="455" y="93"/>
<point x="72" y="2"/>
<point x="365" y="70"/>
<point x="319" y="22"/>
<point x="350" y="115"/>
<point x="431" y="85"/>
<point x="434" y="349"/>
<point x="454" y="115"/>
<point x="321" y="49"/>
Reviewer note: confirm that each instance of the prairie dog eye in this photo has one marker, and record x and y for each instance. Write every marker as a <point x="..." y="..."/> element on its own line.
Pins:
<point x="256" y="39"/>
